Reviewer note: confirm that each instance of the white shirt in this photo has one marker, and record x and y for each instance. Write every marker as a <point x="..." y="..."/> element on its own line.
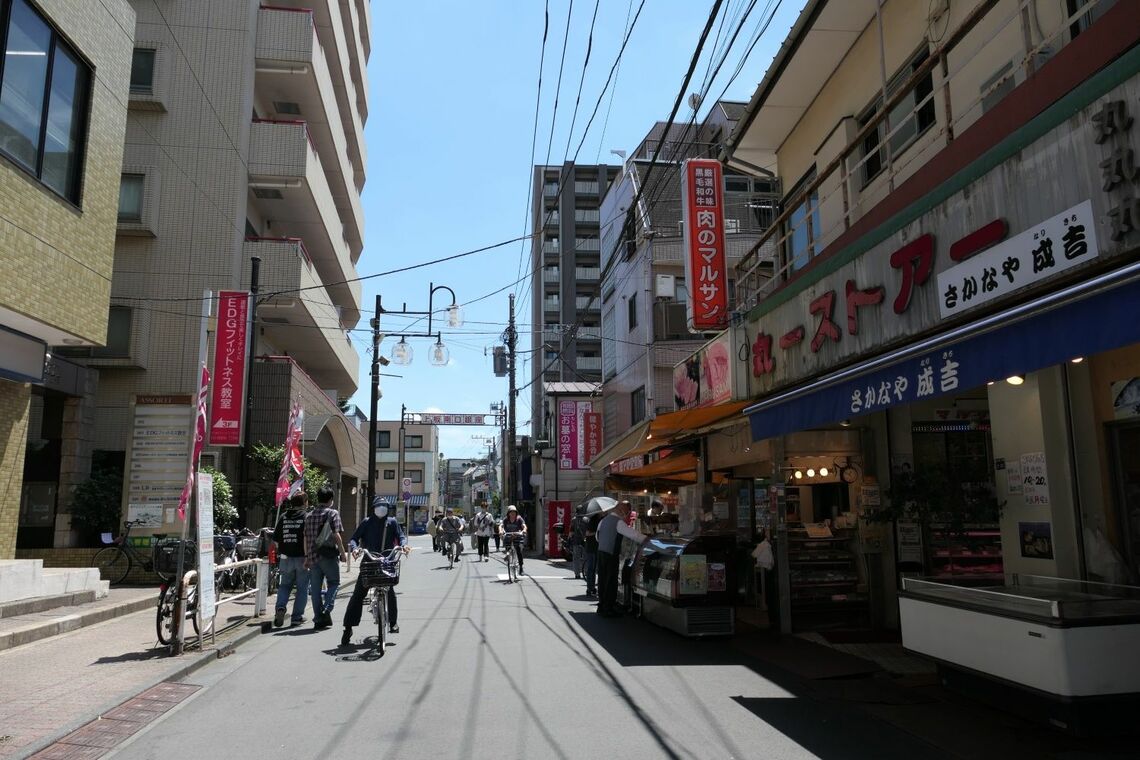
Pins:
<point x="610" y="528"/>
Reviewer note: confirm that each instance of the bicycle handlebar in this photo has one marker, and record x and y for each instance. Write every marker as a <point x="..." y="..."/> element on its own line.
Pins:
<point x="390" y="556"/>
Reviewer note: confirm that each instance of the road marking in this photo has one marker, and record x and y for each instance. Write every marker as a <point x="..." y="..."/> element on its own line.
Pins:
<point x="503" y="577"/>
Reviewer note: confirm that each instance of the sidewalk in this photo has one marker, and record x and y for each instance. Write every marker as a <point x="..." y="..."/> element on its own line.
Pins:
<point x="24" y="629"/>
<point x="53" y="686"/>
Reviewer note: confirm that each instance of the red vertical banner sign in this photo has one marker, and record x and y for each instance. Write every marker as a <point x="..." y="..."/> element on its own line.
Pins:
<point x="567" y="435"/>
<point x="557" y="511"/>
<point x="706" y="262"/>
<point x="230" y="352"/>
<point x="196" y="446"/>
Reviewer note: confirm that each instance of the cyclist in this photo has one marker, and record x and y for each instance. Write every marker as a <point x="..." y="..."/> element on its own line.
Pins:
<point x="451" y="532"/>
<point x="378" y="533"/>
<point x="514" y="523"/>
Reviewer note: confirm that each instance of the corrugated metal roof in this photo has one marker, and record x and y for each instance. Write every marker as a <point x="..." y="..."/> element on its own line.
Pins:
<point x="579" y="388"/>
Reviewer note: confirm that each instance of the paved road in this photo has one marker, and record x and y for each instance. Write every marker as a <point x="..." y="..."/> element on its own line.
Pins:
<point x="483" y="668"/>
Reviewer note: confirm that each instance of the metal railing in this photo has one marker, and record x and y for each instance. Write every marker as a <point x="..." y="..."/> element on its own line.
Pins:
<point x="585" y="187"/>
<point x="551" y="275"/>
<point x="587" y="215"/>
<point x="840" y="193"/>
<point x="588" y="362"/>
<point x="550" y="246"/>
<point x="587" y="273"/>
<point x="588" y="244"/>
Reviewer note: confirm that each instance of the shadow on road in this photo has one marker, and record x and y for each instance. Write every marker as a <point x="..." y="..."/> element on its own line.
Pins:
<point x="157" y="653"/>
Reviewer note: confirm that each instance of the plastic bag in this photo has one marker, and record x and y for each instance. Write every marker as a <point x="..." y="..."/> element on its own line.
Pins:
<point x="763" y="555"/>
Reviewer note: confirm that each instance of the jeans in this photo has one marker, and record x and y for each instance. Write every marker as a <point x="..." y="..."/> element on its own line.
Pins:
<point x="578" y="559"/>
<point x="484" y="541"/>
<point x="355" y="608"/>
<point x="293" y="575"/>
<point x="607" y="582"/>
<point x="325" y="569"/>
<point x="591" y="571"/>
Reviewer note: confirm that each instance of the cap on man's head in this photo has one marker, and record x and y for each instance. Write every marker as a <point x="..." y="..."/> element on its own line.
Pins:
<point x="512" y="508"/>
<point x="381" y="501"/>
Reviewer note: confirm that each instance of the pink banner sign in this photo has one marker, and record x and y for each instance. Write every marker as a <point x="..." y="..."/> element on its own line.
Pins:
<point x="230" y="350"/>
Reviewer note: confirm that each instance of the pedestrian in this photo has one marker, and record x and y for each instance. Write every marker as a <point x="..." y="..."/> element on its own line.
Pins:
<point x="578" y="540"/>
<point x="451" y="533"/>
<point x="592" y="553"/>
<point x="495" y="531"/>
<point x="610" y="530"/>
<point x="324" y="546"/>
<point x="484" y="527"/>
<point x="433" y="529"/>
<point x="379" y="533"/>
<point x="514" y="523"/>
<point x="289" y="534"/>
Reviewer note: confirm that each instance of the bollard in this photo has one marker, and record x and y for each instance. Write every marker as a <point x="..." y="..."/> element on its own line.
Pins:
<point x="262" y="588"/>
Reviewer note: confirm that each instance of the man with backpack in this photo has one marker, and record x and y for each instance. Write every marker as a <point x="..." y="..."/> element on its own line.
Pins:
<point x="484" y="527"/>
<point x="451" y="533"/>
<point x="289" y="533"/>
<point x="324" y="551"/>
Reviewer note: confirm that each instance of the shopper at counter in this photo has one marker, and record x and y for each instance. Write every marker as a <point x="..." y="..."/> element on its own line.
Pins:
<point x="610" y="530"/>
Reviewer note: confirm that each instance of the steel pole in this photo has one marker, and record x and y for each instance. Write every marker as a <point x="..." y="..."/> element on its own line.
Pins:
<point x="374" y="404"/>
<point x="254" y="277"/>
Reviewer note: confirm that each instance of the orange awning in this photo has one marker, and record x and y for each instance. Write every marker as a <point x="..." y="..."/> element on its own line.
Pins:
<point x="666" y="430"/>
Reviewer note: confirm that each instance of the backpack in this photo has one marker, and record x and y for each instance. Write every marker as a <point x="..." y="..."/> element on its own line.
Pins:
<point x="325" y="544"/>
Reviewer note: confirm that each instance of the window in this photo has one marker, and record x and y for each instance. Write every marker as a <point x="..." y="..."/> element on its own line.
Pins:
<point x="413" y="441"/>
<point x="389" y="474"/>
<point x="802" y="234"/>
<point x="142" y="70"/>
<point x="118" y="335"/>
<point x="384" y="439"/>
<point x="905" y="122"/>
<point x="417" y="476"/>
<point x="637" y="405"/>
<point x="131" y="198"/>
<point x="609" y="344"/>
<point x="631" y="306"/>
<point x="47" y="142"/>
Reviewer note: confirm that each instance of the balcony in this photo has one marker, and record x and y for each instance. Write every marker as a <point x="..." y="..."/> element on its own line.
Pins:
<point x="589" y="363"/>
<point x="550" y="303"/>
<point x="292" y="74"/>
<point x="551" y="336"/>
<point x="550" y="190"/>
<point x="586" y="302"/>
<point x="551" y="276"/>
<point x="589" y="333"/>
<point x="587" y="274"/>
<point x="550" y="246"/>
<point x="586" y="188"/>
<point x="291" y="188"/>
<point x="587" y="215"/>
<point x="587" y="244"/>
<point x="551" y="219"/>
<point x="302" y="320"/>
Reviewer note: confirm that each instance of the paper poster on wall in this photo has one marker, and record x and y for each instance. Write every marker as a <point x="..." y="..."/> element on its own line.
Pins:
<point x="1034" y="479"/>
<point x="910" y="543"/>
<point x="1126" y="398"/>
<point x="694" y="574"/>
<point x="1036" y="539"/>
<point x="720" y="510"/>
<point x="718" y="580"/>
<point x="145" y="515"/>
<point x="1013" y="476"/>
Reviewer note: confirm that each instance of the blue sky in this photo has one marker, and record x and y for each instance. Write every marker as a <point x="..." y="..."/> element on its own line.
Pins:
<point x="451" y="115"/>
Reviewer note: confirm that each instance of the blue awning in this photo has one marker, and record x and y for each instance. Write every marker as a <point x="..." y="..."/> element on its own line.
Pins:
<point x="417" y="500"/>
<point x="1097" y="315"/>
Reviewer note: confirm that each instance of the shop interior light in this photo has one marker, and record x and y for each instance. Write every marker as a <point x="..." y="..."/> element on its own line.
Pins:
<point x="845" y="423"/>
<point x="798" y="475"/>
<point x="402" y="353"/>
<point x="823" y="472"/>
<point x="991" y="382"/>
<point x="1015" y="379"/>
<point x="811" y="472"/>
<point x="649" y="437"/>
<point x="1078" y="360"/>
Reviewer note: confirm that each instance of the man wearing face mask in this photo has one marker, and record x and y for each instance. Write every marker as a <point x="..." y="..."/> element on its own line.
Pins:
<point x="379" y="533"/>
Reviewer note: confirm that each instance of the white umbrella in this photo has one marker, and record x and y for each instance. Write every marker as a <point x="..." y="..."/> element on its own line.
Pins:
<point x="600" y="504"/>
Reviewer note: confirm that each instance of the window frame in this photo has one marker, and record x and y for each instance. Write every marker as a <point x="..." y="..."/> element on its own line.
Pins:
<point x="813" y="228"/>
<point x="149" y="88"/>
<point x="383" y="439"/>
<point x="138" y="217"/>
<point x="417" y="476"/>
<point x="874" y="141"/>
<point x="408" y="438"/>
<point x="389" y="474"/>
<point x="631" y="312"/>
<point x="637" y="405"/>
<point x="81" y="110"/>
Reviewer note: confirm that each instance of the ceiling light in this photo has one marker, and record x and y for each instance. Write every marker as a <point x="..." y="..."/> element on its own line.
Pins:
<point x="823" y="472"/>
<point x="1015" y="379"/>
<point x="811" y="472"/>
<point x="72" y="342"/>
<point x="991" y="382"/>
<point x="798" y="475"/>
<point x="1078" y="360"/>
<point x="649" y="436"/>
<point x="845" y="423"/>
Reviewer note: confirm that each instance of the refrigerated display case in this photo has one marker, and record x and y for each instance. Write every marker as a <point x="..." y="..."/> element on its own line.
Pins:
<point x="1062" y="651"/>
<point x="684" y="584"/>
<point x="826" y="590"/>
<point x="968" y="553"/>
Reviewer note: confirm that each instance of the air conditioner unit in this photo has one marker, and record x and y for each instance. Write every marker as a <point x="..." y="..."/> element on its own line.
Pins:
<point x="666" y="286"/>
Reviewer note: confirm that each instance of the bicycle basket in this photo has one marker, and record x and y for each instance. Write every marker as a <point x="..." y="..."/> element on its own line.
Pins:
<point x="374" y="573"/>
<point x="166" y="556"/>
<point x="248" y="548"/>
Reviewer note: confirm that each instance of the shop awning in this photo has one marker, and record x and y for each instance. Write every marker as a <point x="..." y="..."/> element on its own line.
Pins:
<point x="664" y="429"/>
<point x="1096" y="315"/>
<point x="417" y="500"/>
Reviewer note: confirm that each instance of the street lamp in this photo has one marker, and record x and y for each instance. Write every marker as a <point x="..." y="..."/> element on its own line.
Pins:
<point x="402" y="353"/>
<point x="439" y="353"/>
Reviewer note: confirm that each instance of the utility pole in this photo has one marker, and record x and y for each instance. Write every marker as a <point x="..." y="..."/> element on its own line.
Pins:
<point x="400" y="469"/>
<point x="254" y="277"/>
<point x="512" y="461"/>
<point x="370" y="489"/>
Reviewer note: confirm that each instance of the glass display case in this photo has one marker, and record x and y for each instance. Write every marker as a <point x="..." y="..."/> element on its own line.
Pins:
<point x="684" y="584"/>
<point x="1063" y="651"/>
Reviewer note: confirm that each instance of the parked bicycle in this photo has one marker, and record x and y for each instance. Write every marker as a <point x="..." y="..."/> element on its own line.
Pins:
<point x="380" y="573"/>
<point x="115" y="562"/>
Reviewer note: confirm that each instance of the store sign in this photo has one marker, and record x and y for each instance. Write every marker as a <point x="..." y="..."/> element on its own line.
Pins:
<point x="706" y="263"/>
<point x="158" y="457"/>
<point x="705" y="378"/>
<point x="1045" y="250"/>
<point x="627" y="464"/>
<point x="230" y="352"/>
<point x="984" y="245"/>
<point x="579" y="438"/>
<point x="423" y="418"/>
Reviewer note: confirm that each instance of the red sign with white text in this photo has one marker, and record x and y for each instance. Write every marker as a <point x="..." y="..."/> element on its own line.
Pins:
<point x="706" y="262"/>
<point x="593" y="435"/>
<point x="556" y="512"/>
<point x="230" y="351"/>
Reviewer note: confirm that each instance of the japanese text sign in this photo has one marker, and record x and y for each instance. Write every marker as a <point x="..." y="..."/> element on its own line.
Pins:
<point x="576" y="419"/>
<point x="706" y="263"/>
<point x="705" y="378"/>
<point x="230" y="350"/>
<point x="593" y="436"/>
<point x="450" y="419"/>
<point x="1058" y="243"/>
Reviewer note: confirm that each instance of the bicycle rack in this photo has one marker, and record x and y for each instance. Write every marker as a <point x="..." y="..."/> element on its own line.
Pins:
<point x="260" y="592"/>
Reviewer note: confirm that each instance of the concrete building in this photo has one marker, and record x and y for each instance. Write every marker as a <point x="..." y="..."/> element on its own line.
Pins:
<point x="568" y="226"/>
<point x="63" y="114"/>
<point x="421" y="458"/>
<point x="245" y="139"/>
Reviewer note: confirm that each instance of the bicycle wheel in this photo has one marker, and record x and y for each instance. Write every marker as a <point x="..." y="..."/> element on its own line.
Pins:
<point x="512" y="565"/>
<point x="164" y="624"/>
<point x="450" y="555"/>
<point x="112" y="563"/>
<point x="382" y="639"/>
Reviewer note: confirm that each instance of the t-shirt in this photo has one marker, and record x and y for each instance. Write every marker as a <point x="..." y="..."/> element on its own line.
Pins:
<point x="290" y="533"/>
<point x="517" y="525"/>
<point x="451" y="525"/>
<point x="484" y="524"/>
<point x="313" y="523"/>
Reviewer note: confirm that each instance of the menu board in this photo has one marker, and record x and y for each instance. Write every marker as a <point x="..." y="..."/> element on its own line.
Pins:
<point x="157" y="459"/>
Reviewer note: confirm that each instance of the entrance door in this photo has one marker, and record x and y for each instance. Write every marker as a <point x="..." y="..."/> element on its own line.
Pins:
<point x="1124" y="442"/>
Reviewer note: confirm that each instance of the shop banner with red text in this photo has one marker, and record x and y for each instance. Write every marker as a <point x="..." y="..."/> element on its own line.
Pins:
<point x="706" y="262"/>
<point x="230" y="351"/>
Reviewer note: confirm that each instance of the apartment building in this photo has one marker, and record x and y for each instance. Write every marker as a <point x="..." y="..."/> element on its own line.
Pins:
<point x="645" y="330"/>
<point x="62" y="118"/>
<point x="421" y="460"/>
<point x="245" y="140"/>
<point x="565" y="257"/>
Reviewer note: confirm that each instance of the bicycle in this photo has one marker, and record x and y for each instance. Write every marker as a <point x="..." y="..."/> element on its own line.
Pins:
<point x="510" y="555"/>
<point x="167" y="596"/>
<point x="115" y="562"/>
<point x="380" y="574"/>
<point x="453" y="544"/>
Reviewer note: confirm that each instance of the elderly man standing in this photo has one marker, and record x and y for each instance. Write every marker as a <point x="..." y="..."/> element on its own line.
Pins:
<point x="610" y="530"/>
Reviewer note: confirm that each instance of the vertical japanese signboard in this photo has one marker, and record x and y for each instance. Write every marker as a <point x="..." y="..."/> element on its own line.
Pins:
<point x="706" y="263"/>
<point x="579" y="434"/>
<point x="206" y="591"/>
<point x="156" y="463"/>
<point x="230" y="351"/>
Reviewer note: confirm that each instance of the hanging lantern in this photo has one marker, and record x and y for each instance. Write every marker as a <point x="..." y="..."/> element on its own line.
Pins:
<point x="402" y="353"/>
<point x="439" y="353"/>
<point x="454" y="315"/>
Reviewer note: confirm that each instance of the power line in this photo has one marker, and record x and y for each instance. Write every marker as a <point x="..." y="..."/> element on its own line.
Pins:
<point x="534" y="135"/>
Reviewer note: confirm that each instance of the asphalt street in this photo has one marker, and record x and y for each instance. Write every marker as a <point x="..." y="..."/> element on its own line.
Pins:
<point x="482" y="668"/>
